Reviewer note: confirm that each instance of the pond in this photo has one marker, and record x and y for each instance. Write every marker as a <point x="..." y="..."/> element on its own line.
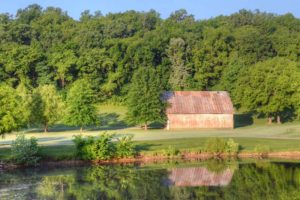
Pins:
<point x="170" y="180"/>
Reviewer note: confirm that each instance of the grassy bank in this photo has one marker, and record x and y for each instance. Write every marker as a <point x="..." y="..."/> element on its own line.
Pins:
<point x="66" y="152"/>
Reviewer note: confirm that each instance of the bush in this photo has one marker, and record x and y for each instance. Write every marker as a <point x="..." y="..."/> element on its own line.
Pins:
<point x="232" y="147"/>
<point x="103" y="148"/>
<point x="91" y="148"/>
<point x="125" y="147"/>
<point x="219" y="145"/>
<point x="170" y="151"/>
<point x="25" y="151"/>
<point x="215" y="145"/>
<point x="262" y="150"/>
<point x="81" y="146"/>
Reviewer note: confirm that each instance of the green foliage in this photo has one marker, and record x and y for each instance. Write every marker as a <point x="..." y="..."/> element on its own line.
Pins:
<point x="62" y="60"/>
<point x="215" y="145"/>
<point x="177" y="55"/>
<point x="12" y="116"/>
<point x="94" y="148"/>
<point x="48" y="107"/>
<point x="262" y="150"/>
<point x="103" y="147"/>
<point x="232" y="147"/>
<point x="125" y="147"/>
<point x="80" y="146"/>
<point x="220" y="145"/>
<point x="269" y="88"/>
<point x="144" y="100"/>
<point x="253" y="55"/>
<point x="80" y="104"/>
<point x="25" y="151"/>
<point x="171" y="151"/>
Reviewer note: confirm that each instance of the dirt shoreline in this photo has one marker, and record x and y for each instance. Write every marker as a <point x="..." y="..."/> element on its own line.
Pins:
<point x="144" y="159"/>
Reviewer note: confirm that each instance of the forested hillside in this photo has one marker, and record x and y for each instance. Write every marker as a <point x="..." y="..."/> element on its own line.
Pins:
<point x="253" y="55"/>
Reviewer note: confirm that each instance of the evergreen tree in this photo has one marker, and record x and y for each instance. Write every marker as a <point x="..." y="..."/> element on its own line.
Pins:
<point x="179" y="74"/>
<point x="80" y="104"/>
<point x="145" y="104"/>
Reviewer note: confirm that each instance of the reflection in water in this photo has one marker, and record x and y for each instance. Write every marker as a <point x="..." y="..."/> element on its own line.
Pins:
<point x="199" y="176"/>
<point x="208" y="180"/>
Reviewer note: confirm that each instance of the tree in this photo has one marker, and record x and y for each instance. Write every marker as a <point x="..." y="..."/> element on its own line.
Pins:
<point x="11" y="110"/>
<point x="179" y="73"/>
<point x="80" y="105"/>
<point x="269" y="88"/>
<point x="62" y="62"/>
<point x="144" y="101"/>
<point x="51" y="105"/>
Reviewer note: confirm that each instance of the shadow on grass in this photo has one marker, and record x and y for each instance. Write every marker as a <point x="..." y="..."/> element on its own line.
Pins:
<point x="241" y="120"/>
<point x="145" y="146"/>
<point x="107" y="122"/>
<point x="54" y="128"/>
<point x="110" y="121"/>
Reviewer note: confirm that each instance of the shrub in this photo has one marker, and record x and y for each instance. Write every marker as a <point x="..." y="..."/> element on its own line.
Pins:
<point x="25" y="151"/>
<point x="91" y="148"/>
<point x="125" y="147"/>
<point x="232" y="147"/>
<point x="219" y="145"/>
<point x="262" y="150"/>
<point x="81" y="146"/>
<point x="102" y="148"/>
<point x="215" y="145"/>
<point x="170" y="151"/>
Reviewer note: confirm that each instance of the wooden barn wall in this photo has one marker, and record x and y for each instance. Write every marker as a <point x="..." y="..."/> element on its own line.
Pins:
<point x="177" y="121"/>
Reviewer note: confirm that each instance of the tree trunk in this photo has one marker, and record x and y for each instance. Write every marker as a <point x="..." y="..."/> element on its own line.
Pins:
<point x="146" y="126"/>
<point x="269" y="120"/>
<point x="62" y="82"/>
<point x="81" y="129"/>
<point x="46" y="127"/>
<point x="278" y="119"/>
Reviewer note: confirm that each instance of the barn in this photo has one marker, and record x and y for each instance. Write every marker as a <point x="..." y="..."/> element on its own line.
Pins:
<point x="199" y="109"/>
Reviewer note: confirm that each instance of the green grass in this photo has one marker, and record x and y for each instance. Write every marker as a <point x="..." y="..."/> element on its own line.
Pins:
<point x="57" y="144"/>
<point x="65" y="152"/>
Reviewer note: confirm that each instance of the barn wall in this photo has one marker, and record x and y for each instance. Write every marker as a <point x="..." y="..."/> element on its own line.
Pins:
<point x="176" y="121"/>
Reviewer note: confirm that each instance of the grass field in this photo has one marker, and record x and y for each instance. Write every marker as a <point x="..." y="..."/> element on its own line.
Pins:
<point x="188" y="144"/>
<point x="249" y="132"/>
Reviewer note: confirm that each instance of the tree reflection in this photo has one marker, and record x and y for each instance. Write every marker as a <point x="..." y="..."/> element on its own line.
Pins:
<point x="253" y="181"/>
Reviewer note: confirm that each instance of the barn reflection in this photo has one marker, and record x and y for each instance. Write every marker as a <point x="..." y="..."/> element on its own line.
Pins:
<point x="199" y="176"/>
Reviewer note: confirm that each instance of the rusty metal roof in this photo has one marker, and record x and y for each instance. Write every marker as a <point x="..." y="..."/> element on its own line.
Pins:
<point x="198" y="102"/>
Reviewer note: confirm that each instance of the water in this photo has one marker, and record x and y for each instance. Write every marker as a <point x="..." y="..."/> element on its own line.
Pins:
<point x="172" y="180"/>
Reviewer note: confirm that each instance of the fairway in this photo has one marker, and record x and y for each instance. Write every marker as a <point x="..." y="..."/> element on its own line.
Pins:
<point x="285" y="131"/>
<point x="57" y="144"/>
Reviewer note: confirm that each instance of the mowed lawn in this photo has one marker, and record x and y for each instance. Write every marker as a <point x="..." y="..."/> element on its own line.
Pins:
<point x="249" y="133"/>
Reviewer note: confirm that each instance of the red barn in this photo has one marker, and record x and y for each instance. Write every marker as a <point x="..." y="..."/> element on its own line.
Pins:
<point x="199" y="109"/>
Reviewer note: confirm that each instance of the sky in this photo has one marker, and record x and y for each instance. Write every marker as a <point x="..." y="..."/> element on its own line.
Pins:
<point x="201" y="9"/>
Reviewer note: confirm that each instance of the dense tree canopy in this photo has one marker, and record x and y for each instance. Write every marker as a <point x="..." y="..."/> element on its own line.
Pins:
<point x="269" y="87"/>
<point x="45" y="46"/>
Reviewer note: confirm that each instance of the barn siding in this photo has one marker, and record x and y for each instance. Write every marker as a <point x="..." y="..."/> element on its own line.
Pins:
<point x="177" y="121"/>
